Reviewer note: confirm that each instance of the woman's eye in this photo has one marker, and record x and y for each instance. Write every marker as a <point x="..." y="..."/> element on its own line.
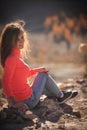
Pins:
<point x="22" y="37"/>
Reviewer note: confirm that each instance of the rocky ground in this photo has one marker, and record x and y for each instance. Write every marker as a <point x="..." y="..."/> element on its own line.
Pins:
<point x="49" y="114"/>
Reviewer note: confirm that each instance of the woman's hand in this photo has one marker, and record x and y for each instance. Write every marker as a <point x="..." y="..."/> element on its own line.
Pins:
<point x="42" y="69"/>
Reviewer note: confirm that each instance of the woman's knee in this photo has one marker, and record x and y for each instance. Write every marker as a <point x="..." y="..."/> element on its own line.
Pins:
<point x="43" y="74"/>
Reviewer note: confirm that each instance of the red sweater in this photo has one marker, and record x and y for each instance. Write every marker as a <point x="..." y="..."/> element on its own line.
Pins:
<point x="15" y="76"/>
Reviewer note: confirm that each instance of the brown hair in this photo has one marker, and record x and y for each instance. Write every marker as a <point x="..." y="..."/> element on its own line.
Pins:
<point x="9" y="37"/>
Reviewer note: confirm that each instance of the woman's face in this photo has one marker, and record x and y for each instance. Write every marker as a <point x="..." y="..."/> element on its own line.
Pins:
<point x="20" y="41"/>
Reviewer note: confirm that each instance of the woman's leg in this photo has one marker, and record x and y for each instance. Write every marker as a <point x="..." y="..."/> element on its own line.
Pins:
<point x="38" y="87"/>
<point x="51" y="88"/>
<point x="43" y="84"/>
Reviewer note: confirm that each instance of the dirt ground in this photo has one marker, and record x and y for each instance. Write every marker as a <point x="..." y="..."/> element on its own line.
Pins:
<point x="49" y="114"/>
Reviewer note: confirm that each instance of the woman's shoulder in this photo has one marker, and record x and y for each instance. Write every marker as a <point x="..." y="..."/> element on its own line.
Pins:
<point x="11" y="58"/>
<point x="10" y="62"/>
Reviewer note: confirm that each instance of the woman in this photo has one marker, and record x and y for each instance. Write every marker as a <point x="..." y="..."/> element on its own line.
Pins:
<point x="16" y="72"/>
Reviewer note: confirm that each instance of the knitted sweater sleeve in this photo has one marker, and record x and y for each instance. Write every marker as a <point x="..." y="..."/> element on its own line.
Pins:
<point x="32" y="72"/>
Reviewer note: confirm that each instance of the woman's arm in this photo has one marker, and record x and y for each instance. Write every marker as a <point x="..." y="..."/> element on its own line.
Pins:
<point x="39" y="69"/>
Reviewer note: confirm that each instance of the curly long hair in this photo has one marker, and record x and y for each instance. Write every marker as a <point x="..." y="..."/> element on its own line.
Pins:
<point x="9" y="37"/>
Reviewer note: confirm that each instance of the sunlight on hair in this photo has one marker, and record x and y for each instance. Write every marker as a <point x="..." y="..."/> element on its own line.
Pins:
<point x="26" y="50"/>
